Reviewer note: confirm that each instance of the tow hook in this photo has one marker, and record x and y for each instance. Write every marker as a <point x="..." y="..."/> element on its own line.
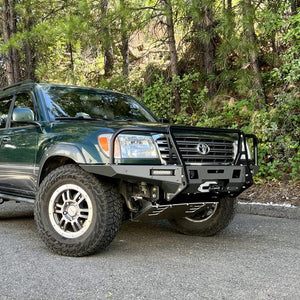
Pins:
<point x="209" y="186"/>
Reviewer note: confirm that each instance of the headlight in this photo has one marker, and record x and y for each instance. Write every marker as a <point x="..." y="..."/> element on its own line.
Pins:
<point x="129" y="146"/>
<point x="137" y="146"/>
<point x="243" y="156"/>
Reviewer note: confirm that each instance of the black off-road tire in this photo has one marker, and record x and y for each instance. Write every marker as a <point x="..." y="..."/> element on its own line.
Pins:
<point x="200" y="225"/>
<point x="98" y="202"/>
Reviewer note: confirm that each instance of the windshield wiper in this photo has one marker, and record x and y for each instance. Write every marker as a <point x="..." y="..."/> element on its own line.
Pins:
<point x="125" y="119"/>
<point x="83" y="118"/>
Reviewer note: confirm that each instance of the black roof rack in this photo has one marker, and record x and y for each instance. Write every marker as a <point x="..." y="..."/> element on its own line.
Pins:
<point x="17" y="84"/>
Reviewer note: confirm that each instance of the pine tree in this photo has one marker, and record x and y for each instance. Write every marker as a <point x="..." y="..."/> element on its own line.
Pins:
<point x="251" y="46"/>
<point x="9" y="28"/>
<point x="205" y="38"/>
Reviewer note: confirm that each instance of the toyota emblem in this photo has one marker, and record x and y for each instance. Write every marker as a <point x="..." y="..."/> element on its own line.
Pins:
<point x="203" y="148"/>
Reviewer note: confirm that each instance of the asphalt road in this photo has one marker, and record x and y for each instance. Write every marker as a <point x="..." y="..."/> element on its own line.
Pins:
<point x="254" y="258"/>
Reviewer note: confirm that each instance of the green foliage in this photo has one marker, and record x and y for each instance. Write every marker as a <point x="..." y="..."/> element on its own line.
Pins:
<point x="159" y="98"/>
<point x="68" y="40"/>
<point x="276" y="126"/>
<point x="121" y="84"/>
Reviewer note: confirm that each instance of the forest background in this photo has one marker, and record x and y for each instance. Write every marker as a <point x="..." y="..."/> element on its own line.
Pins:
<point x="232" y="64"/>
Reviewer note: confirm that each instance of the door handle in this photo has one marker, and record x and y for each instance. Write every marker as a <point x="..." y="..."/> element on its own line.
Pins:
<point x="6" y="139"/>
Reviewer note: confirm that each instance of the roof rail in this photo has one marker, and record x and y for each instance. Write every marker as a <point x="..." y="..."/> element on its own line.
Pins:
<point x="17" y="84"/>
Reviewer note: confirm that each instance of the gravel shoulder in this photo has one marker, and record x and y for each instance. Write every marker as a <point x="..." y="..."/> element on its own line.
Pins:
<point x="272" y="199"/>
<point x="273" y="192"/>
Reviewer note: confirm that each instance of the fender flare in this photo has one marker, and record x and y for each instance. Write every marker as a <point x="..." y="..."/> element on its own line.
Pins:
<point x="64" y="150"/>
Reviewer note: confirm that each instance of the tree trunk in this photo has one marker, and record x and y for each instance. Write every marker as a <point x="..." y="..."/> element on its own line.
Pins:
<point x="125" y="55"/>
<point x="9" y="28"/>
<point x="173" y="52"/>
<point x="29" y="57"/>
<point x="229" y="4"/>
<point x="108" y="62"/>
<point x="209" y="48"/>
<point x="204" y="25"/>
<point x="125" y="42"/>
<point x="29" y="49"/>
<point x="108" y="49"/>
<point x="249" y="32"/>
<point x="72" y="67"/>
<point x="295" y="4"/>
<point x="13" y="27"/>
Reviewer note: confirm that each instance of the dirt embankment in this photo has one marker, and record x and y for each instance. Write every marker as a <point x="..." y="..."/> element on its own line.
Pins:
<point x="277" y="192"/>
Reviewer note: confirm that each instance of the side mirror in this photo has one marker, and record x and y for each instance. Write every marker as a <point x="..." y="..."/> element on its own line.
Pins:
<point x="23" y="115"/>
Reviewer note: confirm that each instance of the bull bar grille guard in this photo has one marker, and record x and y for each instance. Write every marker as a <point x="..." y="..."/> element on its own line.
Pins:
<point x="173" y="147"/>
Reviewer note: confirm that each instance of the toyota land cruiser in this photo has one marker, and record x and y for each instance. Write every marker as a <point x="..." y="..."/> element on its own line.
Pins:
<point x="88" y="158"/>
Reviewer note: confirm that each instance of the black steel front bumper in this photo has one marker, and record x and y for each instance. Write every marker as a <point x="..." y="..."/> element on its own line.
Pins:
<point x="174" y="180"/>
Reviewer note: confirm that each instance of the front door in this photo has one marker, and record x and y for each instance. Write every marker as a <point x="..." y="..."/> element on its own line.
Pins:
<point x="18" y="150"/>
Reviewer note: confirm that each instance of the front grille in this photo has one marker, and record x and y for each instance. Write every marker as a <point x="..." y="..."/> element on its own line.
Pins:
<point x="221" y="151"/>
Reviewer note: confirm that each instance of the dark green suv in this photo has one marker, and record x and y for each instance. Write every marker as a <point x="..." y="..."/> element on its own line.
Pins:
<point x="89" y="158"/>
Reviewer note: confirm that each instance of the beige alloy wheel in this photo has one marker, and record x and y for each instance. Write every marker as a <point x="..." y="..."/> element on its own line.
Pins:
<point x="70" y="211"/>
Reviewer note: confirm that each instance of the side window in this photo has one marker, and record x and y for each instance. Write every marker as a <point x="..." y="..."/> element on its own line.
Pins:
<point x="4" y="108"/>
<point x="23" y="111"/>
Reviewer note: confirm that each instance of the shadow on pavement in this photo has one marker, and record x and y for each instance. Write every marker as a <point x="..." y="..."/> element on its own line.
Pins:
<point x="13" y="210"/>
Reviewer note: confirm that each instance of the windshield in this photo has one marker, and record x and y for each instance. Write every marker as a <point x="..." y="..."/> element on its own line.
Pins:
<point x="73" y="102"/>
